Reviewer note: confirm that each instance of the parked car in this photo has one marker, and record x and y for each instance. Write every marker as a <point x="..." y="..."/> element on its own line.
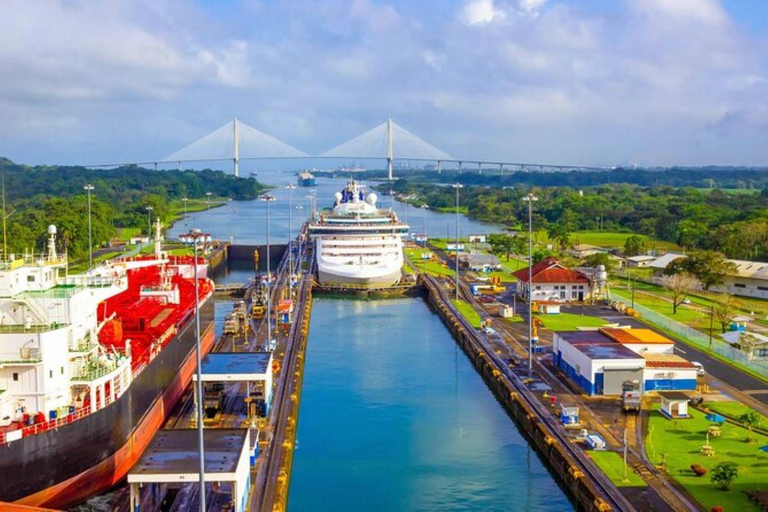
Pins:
<point x="700" y="371"/>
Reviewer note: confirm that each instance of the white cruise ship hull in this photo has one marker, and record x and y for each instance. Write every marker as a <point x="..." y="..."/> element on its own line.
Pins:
<point x="362" y="277"/>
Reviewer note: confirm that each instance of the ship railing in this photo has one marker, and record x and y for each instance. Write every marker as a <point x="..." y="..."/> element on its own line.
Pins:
<point x="40" y="259"/>
<point x="43" y="426"/>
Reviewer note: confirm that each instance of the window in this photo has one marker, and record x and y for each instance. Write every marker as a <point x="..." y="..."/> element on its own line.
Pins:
<point x="15" y="376"/>
<point x="50" y="374"/>
<point x="62" y="370"/>
<point x="739" y="285"/>
<point x="763" y="288"/>
<point x="30" y="279"/>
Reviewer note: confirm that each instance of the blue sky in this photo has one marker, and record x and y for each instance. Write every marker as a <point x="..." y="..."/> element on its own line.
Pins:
<point x="578" y="82"/>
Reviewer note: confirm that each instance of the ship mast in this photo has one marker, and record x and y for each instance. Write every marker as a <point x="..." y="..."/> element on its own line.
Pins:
<point x="389" y="150"/>
<point x="236" y="149"/>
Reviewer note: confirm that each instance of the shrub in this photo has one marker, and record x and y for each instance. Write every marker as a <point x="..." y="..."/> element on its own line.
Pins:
<point x="724" y="474"/>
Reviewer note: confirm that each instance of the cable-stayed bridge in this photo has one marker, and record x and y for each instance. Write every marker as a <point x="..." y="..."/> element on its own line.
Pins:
<point x="236" y="141"/>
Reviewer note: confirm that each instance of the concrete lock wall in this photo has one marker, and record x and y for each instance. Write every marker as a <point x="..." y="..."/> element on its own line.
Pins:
<point x="581" y="489"/>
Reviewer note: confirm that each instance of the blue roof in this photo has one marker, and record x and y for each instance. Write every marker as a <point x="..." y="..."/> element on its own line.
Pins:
<point x="224" y="363"/>
<point x="597" y="345"/>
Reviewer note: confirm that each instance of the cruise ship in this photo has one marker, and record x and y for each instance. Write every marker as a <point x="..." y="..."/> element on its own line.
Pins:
<point x="357" y="243"/>
<point x="90" y="366"/>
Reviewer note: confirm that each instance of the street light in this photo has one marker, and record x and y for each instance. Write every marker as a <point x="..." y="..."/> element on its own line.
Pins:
<point x="530" y="199"/>
<point x="184" y="200"/>
<point x="299" y="207"/>
<point x="457" y="186"/>
<point x="290" y="188"/>
<point x="88" y="189"/>
<point x="149" y="220"/>
<point x="208" y="208"/>
<point x="268" y="199"/>
<point x="194" y="237"/>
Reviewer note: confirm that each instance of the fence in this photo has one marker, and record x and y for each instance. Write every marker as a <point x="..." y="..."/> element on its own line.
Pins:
<point x="697" y="338"/>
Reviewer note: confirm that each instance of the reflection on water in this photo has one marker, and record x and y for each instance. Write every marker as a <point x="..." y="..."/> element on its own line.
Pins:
<point x="245" y="221"/>
<point x="394" y="417"/>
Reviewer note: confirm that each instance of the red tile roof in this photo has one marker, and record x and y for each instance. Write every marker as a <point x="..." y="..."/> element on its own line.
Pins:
<point x="668" y="364"/>
<point x="549" y="270"/>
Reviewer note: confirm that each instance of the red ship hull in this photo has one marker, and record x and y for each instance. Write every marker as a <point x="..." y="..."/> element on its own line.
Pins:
<point x="110" y="471"/>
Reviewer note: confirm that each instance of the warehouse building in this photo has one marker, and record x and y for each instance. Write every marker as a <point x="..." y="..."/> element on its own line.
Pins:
<point x="600" y="361"/>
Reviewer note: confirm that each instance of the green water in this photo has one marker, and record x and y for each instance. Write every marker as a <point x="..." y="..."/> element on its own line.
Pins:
<point x="394" y="417"/>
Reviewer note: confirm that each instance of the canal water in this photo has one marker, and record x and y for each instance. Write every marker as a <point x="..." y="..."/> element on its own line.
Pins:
<point x="244" y="222"/>
<point x="394" y="417"/>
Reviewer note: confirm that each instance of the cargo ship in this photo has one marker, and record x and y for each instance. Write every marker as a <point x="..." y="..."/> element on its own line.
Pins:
<point x="306" y="179"/>
<point x="356" y="243"/>
<point x="90" y="367"/>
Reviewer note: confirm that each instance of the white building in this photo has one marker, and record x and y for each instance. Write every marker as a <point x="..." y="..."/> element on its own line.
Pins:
<point x="552" y="281"/>
<point x="640" y="261"/>
<point x="750" y="280"/>
<point x="601" y="361"/>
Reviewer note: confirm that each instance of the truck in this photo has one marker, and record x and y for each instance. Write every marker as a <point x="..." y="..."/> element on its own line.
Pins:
<point x="213" y="398"/>
<point x="631" y="396"/>
<point x="230" y="324"/>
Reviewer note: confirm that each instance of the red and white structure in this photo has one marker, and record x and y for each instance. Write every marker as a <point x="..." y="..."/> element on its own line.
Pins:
<point x="553" y="281"/>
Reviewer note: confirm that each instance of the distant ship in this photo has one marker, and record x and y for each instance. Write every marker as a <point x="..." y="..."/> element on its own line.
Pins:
<point x="92" y="365"/>
<point x="306" y="179"/>
<point x="351" y="168"/>
<point x="357" y="243"/>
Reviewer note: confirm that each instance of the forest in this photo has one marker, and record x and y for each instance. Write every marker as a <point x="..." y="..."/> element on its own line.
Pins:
<point x="735" y="224"/>
<point x="36" y="196"/>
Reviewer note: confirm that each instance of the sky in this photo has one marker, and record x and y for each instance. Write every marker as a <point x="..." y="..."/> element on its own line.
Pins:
<point x="572" y="82"/>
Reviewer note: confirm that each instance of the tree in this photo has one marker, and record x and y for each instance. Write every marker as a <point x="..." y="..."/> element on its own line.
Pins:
<point x="749" y="419"/>
<point x="725" y="307"/>
<point x="559" y="234"/>
<point x="724" y="474"/>
<point x="709" y="267"/>
<point x="634" y="245"/>
<point x="502" y="243"/>
<point x="600" y="258"/>
<point x="679" y="285"/>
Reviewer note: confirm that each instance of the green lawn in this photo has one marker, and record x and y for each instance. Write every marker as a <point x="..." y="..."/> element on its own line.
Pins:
<point x="569" y="321"/>
<point x="735" y="409"/>
<point x="681" y="441"/>
<point x="181" y="251"/>
<point x="505" y="276"/>
<point x="617" y="240"/>
<point x="432" y="267"/>
<point x="612" y="464"/>
<point x="468" y="313"/>
<point x="452" y="209"/>
<point x="125" y="234"/>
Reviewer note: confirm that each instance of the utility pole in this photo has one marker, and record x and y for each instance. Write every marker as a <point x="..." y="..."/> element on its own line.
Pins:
<point x="711" y="323"/>
<point x="88" y="189"/>
<point x="530" y="198"/>
<point x="457" y="186"/>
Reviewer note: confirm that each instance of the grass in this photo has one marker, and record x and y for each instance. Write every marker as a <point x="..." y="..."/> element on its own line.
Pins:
<point x="505" y="276"/>
<point x="617" y="240"/>
<point x="431" y="267"/>
<point x="82" y="266"/>
<point x="176" y="208"/>
<point x="612" y="464"/>
<point x="181" y="251"/>
<point x="125" y="234"/>
<point x="734" y="410"/>
<point x="470" y="314"/>
<point x="569" y="321"/>
<point x="452" y="209"/>
<point x="681" y="440"/>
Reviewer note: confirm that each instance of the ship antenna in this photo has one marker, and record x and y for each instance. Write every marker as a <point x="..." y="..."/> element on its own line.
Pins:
<point x="5" y="234"/>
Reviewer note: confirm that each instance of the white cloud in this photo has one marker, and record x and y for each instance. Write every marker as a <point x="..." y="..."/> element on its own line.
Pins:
<point x="531" y="7"/>
<point x="481" y="12"/>
<point x="705" y="12"/>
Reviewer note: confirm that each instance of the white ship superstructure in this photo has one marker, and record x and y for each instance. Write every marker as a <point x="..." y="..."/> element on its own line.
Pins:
<point x="356" y="243"/>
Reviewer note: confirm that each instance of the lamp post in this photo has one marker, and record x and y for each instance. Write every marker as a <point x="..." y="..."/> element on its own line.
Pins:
<point x="268" y="199"/>
<point x="149" y="220"/>
<point x="457" y="186"/>
<point x="299" y="207"/>
<point x="184" y="200"/>
<point x="208" y="208"/>
<point x="291" y="187"/>
<point x="88" y="189"/>
<point x="530" y="198"/>
<point x="194" y="237"/>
